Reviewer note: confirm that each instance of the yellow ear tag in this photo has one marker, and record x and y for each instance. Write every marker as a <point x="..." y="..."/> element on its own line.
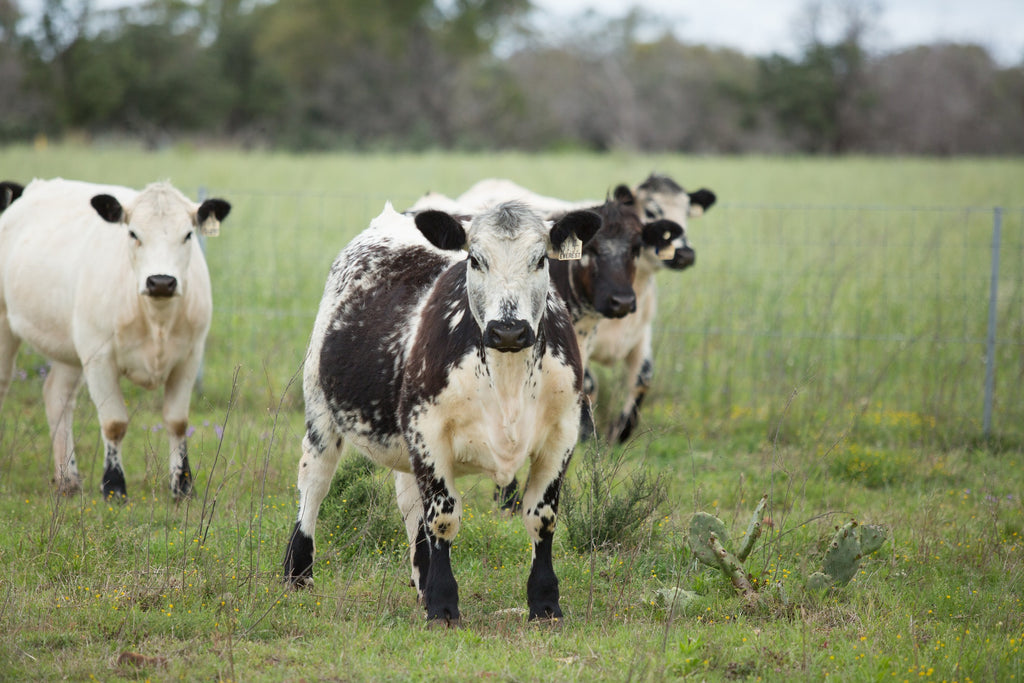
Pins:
<point x="666" y="253"/>
<point x="571" y="249"/>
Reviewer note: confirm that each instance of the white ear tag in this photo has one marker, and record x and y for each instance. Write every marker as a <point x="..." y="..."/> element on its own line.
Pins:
<point x="211" y="227"/>
<point x="571" y="249"/>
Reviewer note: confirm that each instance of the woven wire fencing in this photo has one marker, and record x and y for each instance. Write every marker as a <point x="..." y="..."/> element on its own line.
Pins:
<point x="810" y="313"/>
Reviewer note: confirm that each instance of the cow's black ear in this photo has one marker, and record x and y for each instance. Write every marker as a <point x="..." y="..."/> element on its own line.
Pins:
<point x="703" y="198"/>
<point x="441" y="230"/>
<point x="661" y="233"/>
<point x="9" y="191"/>
<point x="218" y="207"/>
<point x="108" y="208"/>
<point x="583" y="224"/>
<point x="623" y="195"/>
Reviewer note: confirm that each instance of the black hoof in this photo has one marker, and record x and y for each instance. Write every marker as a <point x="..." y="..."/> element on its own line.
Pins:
<point x="113" y="486"/>
<point x="546" y="613"/>
<point x="181" y="488"/>
<point x="298" y="560"/>
<point x="444" y="623"/>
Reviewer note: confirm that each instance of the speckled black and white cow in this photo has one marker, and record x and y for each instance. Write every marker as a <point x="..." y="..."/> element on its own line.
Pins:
<point x="437" y="364"/>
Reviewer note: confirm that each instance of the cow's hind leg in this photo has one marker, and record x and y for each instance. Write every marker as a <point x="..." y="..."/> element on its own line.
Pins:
<point x="410" y="505"/>
<point x="629" y="418"/>
<point x="9" y="344"/>
<point x="540" y="511"/>
<point x="321" y="450"/>
<point x="60" y="391"/>
<point x="508" y="496"/>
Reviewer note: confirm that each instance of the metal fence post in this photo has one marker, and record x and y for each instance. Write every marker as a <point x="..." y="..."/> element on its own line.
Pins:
<point x="993" y="297"/>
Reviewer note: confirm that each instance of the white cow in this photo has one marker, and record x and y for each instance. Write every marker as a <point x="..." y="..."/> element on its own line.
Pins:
<point x="106" y="281"/>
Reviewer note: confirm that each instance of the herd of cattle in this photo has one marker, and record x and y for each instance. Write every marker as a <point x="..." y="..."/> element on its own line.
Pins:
<point x="452" y="338"/>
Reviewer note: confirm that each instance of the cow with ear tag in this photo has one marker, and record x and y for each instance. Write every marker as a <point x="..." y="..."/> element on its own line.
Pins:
<point x="439" y="352"/>
<point x="107" y="282"/>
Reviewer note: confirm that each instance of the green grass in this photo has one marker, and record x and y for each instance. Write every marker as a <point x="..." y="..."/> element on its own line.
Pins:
<point x="820" y="351"/>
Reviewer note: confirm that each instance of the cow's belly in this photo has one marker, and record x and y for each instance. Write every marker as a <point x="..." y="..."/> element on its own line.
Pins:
<point x="41" y="317"/>
<point x="50" y="337"/>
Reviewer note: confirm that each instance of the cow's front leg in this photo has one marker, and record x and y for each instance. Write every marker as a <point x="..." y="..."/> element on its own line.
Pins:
<point x="177" y="396"/>
<point x="59" y="392"/>
<point x="101" y="376"/>
<point x="540" y="511"/>
<point x="442" y="517"/>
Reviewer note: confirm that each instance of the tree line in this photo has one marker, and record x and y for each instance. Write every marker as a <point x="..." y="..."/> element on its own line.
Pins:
<point x="476" y="74"/>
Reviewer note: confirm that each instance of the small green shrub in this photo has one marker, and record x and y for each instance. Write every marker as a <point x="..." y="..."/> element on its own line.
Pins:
<point x="602" y="506"/>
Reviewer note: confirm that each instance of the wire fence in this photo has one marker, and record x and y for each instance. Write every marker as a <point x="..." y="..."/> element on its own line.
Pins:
<point x="807" y="310"/>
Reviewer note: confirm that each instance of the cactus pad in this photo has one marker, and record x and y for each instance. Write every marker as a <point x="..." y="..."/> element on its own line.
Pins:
<point x="702" y="525"/>
<point x="872" y="537"/>
<point x="843" y="555"/>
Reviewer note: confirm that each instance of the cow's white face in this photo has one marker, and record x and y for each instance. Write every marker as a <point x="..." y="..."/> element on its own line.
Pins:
<point x="661" y="197"/>
<point x="507" y="275"/>
<point x="160" y="228"/>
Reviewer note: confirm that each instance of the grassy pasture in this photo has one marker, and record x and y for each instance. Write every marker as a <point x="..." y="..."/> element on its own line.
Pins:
<point x="827" y="349"/>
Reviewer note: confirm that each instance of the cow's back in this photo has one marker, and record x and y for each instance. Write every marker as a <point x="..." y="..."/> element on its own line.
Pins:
<point x="46" y="238"/>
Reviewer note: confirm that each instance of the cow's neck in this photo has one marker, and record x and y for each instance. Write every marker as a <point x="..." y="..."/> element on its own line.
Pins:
<point x="159" y="316"/>
<point x="563" y="276"/>
<point x="509" y="379"/>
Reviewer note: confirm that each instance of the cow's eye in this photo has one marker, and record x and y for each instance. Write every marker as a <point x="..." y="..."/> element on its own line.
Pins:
<point x="542" y="261"/>
<point x="650" y="214"/>
<point x="188" y="236"/>
<point x="131" y="233"/>
<point x="474" y="263"/>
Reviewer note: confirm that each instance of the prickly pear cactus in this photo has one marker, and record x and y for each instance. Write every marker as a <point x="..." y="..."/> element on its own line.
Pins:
<point x="842" y="559"/>
<point x="753" y="529"/>
<point x="731" y="567"/>
<point x="843" y="555"/>
<point x="871" y="537"/>
<point x="702" y="526"/>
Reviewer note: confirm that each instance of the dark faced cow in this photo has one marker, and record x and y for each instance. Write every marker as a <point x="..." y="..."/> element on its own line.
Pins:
<point x="628" y="340"/>
<point x="107" y="282"/>
<point x="437" y="364"/>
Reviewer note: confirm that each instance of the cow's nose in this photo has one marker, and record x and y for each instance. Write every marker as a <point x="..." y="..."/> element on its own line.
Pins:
<point x="161" y="285"/>
<point x="506" y="336"/>
<point x="684" y="258"/>
<point x="621" y="305"/>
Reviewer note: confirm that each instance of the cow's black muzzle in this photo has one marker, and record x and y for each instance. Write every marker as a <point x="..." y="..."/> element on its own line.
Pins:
<point x="682" y="259"/>
<point x="161" y="286"/>
<point x="507" y="336"/>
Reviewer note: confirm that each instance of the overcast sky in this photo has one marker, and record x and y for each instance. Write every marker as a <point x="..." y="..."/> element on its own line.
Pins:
<point x="760" y="27"/>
